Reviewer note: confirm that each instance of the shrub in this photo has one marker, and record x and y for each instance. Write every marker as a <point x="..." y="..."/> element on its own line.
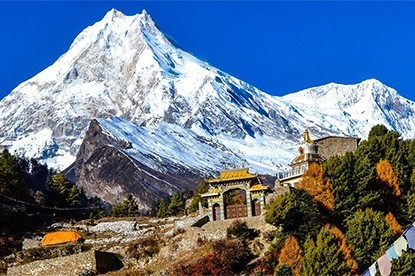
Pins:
<point x="239" y="230"/>
<point x="144" y="248"/>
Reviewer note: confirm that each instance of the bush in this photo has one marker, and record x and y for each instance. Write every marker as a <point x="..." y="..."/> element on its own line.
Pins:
<point x="144" y="248"/>
<point x="239" y="230"/>
<point x="228" y="257"/>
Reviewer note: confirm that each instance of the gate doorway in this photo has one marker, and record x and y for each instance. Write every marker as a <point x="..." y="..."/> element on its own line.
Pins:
<point x="216" y="211"/>
<point x="236" y="211"/>
<point x="235" y="203"/>
<point x="256" y="208"/>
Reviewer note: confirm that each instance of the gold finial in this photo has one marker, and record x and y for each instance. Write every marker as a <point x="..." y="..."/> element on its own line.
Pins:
<point x="243" y="165"/>
<point x="307" y="137"/>
<point x="225" y="167"/>
<point x="234" y="166"/>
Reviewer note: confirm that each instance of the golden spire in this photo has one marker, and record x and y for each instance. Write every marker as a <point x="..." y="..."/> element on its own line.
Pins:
<point x="307" y="137"/>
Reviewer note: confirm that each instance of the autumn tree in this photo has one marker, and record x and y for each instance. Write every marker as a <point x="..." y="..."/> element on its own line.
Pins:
<point x="291" y="255"/>
<point x="394" y="224"/>
<point x="318" y="186"/>
<point x="343" y="247"/>
<point x="323" y="256"/>
<point x="387" y="178"/>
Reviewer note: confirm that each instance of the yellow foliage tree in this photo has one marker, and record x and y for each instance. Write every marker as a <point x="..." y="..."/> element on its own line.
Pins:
<point x="396" y="227"/>
<point x="343" y="247"/>
<point x="318" y="186"/>
<point x="291" y="254"/>
<point x="386" y="177"/>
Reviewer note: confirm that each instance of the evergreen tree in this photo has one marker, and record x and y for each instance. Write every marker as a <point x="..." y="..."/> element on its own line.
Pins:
<point x="130" y="206"/>
<point x="201" y="189"/>
<point x="11" y="180"/>
<point x="323" y="257"/>
<point x="283" y="270"/>
<point x="62" y="192"/>
<point x="369" y="235"/>
<point x="176" y="205"/>
<point x="127" y="208"/>
<point x="340" y="171"/>
<point x="295" y="212"/>
<point x="405" y="264"/>
<point x="366" y="192"/>
<point x="377" y="131"/>
<point x="410" y="206"/>
<point x="163" y="210"/>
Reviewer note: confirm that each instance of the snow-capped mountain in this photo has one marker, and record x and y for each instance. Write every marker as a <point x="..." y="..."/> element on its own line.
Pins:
<point x="124" y="66"/>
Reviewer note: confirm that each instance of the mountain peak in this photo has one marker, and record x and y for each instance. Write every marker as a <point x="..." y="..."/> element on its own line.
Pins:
<point x="113" y="13"/>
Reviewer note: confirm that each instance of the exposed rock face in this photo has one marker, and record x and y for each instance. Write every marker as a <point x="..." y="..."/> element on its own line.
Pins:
<point x="105" y="168"/>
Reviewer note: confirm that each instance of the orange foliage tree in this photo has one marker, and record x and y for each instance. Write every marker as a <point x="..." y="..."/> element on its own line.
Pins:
<point x="291" y="254"/>
<point x="386" y="177"/>
<point x="396" y="227"/>
<point x="343" y="247"/>
<point x="317" y="185"/>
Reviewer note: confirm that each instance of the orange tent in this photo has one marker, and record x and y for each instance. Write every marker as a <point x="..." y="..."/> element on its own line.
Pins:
<point x="60" y="237"/>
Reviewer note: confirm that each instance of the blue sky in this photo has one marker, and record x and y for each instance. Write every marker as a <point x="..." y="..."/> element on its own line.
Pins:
<point x="279" y="47"/>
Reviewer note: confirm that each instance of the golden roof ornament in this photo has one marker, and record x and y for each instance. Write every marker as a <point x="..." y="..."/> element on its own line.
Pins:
<point x="307" y="137"/>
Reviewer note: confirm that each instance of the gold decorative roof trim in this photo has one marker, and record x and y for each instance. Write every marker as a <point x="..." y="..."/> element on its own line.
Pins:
<point x="258" y="187"/>
<point x="233" y="175"/>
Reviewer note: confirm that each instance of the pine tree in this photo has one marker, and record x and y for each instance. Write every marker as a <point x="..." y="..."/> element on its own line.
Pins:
<point x="11" y="180"/>
<point x="323" y="257"/>
<point x="62" y="192"/>
<point x="201" y="189"/>
<point x="176" y="205"/>
<point x="404" y="265"/>
<point x="163" y="210"/>
<point x="127" y="208"/>
<point x="130" y="206"/>
<point x="369" y="235"/>
<point x="296" y="213"/>
<point x="340" y="171"/>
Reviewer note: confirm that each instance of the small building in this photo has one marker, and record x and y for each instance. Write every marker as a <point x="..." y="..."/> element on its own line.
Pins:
<point x="314" y="151"/>
<point x="235" y="193"/>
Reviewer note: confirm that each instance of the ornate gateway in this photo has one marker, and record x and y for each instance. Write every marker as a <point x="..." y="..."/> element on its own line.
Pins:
<point x="235" y="193"/>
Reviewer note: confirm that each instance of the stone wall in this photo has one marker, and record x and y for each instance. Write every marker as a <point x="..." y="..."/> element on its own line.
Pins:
<point x="87" y="263"/>
<point x="331" y="146"/>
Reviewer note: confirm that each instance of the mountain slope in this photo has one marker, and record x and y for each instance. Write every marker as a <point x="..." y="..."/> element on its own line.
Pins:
<point x="124" y="66"/>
